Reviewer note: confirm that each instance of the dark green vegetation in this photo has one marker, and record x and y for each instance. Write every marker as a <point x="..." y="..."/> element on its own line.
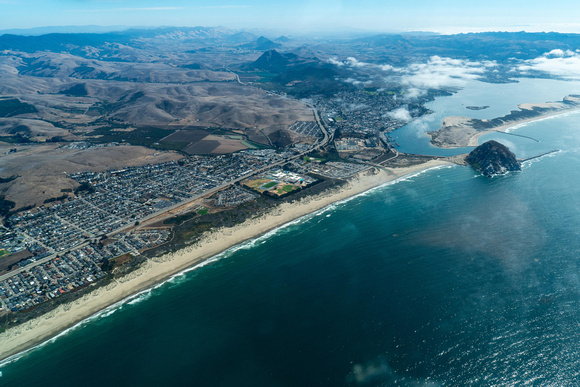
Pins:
<point x="190" y="226"/>
<point x="10" y="212"/>
<point x="50" y="200"/>
<point x="193" y="66"/>
<point x="144" y="136"/>
<point x="78" y="90"/>
<point x="17" y="139"/>
<point x="8" y="179"/>
<point x="168" y="138"/>
<point x="84" y="188"/>
<point x="5" y="206"/>
<point x="10" y="107"/>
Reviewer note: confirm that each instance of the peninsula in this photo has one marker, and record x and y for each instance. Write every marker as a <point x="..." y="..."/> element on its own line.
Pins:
<point x="460" y="131"/>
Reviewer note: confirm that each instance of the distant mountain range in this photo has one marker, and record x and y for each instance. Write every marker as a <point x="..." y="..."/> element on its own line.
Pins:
<point x="388" y="48"/>
<point x="137" y="38"/>
<point x="63" y="30"/>
<point x="498" y="46"/>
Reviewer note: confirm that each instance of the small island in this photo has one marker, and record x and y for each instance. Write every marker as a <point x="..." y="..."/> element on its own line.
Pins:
<point x="477" y="107"/>
<point x="492" y="158"/>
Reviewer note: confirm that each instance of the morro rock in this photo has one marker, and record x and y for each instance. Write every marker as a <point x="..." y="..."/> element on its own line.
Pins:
<point x="492" y="158"/>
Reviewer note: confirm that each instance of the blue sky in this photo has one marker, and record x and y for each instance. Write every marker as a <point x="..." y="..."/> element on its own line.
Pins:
<point x="448" y="16"/>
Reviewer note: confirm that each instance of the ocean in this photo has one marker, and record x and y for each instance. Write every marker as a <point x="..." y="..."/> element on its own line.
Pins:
<point x="443" y="278"/>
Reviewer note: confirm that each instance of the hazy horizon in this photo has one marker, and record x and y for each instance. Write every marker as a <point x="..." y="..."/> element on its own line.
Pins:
<point x="301" y="16"/>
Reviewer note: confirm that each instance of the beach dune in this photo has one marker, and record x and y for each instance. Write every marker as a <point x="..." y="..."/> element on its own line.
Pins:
<point x="459" y="131"/>
<point x="154" y="271"/>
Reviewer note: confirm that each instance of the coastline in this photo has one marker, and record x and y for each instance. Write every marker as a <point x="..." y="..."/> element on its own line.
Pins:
<point x="474" y="140"/>
<point x="460" y="131"/>
<point x="39" y="330"/>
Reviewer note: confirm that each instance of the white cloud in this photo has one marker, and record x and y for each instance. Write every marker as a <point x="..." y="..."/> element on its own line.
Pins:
<point x="400" y="114"/>
<point x="441" y="72"/>
<point x="335" y="62"/>
<point x="436" y="73"/>
<point x="557" y="52"/>
<point x="353" y="81"/>
<point x="350" y="61"/>
<point x="356" y="82"/>
<point x="558" y="63"/>
<point x="353" y="62"/>
<point x="489" y="63"/>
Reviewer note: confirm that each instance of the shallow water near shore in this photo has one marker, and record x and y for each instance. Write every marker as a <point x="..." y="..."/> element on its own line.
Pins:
<point x="501" y="99"/>
<point x="444" y="278"/>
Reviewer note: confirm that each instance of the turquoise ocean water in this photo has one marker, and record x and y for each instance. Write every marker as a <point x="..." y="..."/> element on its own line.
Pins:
<point x="444" y="278"/>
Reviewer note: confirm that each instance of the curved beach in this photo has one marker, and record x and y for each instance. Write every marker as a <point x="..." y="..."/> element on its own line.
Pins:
<point x="460" y="131"/>
<point x="474" y="140"/>
<point x="41" y="329"/>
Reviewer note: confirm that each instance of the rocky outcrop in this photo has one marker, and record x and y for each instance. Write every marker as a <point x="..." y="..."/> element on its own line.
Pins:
<point x="492" y="158"/>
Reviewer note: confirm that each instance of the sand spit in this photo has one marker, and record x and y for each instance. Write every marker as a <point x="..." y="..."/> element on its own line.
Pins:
<point x="459" y="131"/>
<point x="474" y="140"/>
<point x="43" y="328"/>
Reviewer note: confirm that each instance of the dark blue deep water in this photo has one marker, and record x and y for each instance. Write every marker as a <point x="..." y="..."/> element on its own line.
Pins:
<point x="445" y="278"/>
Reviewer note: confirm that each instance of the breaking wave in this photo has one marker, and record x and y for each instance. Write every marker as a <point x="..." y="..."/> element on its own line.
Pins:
<point x="180" y="277"/>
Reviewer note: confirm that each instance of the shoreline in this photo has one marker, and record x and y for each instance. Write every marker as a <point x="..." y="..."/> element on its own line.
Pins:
<point x="474" y="140"/>
<point x="30" y="334"/>
<point x="460" y="131"/>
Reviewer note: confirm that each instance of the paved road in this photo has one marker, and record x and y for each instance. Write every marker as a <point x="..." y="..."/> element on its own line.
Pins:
<point x="40" y="262"/>
<point x="210" y="192"/>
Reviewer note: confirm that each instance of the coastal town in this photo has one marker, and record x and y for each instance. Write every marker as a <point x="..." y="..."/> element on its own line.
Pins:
<point x="68" y="244"/>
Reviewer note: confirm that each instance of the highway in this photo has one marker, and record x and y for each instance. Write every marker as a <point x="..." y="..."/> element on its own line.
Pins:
<point x="157" y="216"/>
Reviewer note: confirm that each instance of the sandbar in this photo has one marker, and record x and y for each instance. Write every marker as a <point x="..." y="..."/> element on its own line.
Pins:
<point x="474" y="140"/>
<point x="460" y="131"/>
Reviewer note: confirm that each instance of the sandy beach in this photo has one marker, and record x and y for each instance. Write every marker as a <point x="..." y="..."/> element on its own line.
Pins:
<point x="34" y="332"/>
<point x="460" y="131"/>
<point x="474" y="140"/>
